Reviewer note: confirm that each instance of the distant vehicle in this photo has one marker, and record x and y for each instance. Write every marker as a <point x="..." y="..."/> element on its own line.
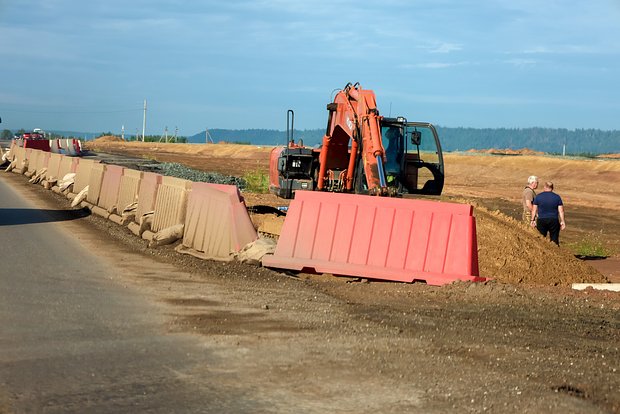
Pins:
<point x="37" y="140"/>
<point x="36" y="133"/>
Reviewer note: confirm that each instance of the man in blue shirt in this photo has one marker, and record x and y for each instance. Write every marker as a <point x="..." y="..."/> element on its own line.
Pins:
<point x="549" y="208"/>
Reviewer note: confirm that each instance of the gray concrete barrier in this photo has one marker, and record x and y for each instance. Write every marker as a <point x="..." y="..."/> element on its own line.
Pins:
<point x="147" y="196"/>
<point x="127" y="195"/>
<point x="217" y="223"/>
<point x="94" y="185"/>
<point x="83" y="171"/>
<point x="170" y="205"/>
<point x="108" y="195"/>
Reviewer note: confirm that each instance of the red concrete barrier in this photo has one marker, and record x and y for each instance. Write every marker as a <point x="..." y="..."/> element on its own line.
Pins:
<point x="77" y="147"/>
<point x="217" y="223"/>
<point x="378" y="238"/>
<point x="40" y="144"/>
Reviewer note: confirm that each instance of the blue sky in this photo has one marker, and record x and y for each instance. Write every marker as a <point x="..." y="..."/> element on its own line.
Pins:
<point x="88" y="65"/>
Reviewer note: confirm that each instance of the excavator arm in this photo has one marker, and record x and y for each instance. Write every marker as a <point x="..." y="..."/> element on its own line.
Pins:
<point x="353" y="120"/>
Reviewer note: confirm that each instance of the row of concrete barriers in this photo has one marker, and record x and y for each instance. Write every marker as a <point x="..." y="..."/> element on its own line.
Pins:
<point x="65" y="146"/>
<point x="401" y="240"/>
<point x="211" y="219"/>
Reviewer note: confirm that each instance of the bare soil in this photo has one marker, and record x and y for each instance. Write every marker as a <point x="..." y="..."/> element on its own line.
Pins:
<point x="523" y="342"/>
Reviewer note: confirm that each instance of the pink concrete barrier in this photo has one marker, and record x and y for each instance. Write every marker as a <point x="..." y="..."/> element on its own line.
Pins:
<point x="378" y="238"/>
<point x="217" y="223"/>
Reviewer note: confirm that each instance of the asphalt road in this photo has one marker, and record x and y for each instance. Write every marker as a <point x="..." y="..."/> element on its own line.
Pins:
<point x="74" y="338"/>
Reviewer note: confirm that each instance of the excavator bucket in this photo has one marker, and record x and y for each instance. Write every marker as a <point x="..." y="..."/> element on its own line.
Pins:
<point x="393" y="239"/>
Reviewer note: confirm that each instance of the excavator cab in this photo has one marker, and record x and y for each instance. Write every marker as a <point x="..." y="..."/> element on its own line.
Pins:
<point x="414" y="161"/>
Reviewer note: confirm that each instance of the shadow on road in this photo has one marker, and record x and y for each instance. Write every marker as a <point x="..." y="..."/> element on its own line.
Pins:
<point x="18" y="216"/>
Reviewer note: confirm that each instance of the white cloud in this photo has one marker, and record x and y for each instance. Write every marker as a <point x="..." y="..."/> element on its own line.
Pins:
<point x="446" y="48"/>
<point x="521" y="63"/>
<point x="434" y="65"/>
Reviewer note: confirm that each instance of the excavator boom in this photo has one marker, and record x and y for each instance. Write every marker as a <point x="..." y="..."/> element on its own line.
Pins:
<point x="353" y="120"/>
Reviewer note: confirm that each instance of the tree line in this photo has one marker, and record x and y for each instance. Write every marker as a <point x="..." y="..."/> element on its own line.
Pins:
<point x="549" y="140"/>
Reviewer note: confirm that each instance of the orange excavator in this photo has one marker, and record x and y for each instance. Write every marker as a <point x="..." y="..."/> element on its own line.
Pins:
<point x="400" y="239"/>
<point x="362" y="152"/>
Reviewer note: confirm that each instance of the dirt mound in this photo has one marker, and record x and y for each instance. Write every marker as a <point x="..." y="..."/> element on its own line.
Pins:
<point x="614" y="156"/>
<point x="508" y="252"/>
<point x="506" y="151"/>
<point x="108" y="138"/>
<point x="511" y="252"/>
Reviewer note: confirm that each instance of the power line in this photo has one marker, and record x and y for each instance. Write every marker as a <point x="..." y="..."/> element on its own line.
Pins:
<point x="71" y="112"/>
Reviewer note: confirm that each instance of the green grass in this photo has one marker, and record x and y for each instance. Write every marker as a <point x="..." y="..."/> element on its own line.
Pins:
<point x="257" y="181"/>
<point x="591" y="245"/>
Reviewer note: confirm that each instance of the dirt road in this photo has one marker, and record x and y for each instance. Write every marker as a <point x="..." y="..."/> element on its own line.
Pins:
<point x="319" y="344"/>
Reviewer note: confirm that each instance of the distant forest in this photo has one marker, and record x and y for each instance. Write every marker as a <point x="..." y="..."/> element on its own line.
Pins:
<point x="550" y="140"/>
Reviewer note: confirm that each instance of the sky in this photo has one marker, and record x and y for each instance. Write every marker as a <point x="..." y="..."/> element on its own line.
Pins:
<point x="79" y="65"/>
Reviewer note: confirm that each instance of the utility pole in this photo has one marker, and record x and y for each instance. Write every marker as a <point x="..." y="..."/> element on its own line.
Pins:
<point x="144" y="121"/>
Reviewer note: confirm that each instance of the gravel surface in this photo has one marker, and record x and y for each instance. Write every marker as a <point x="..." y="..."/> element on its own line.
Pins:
<point x="174" y="169"/>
